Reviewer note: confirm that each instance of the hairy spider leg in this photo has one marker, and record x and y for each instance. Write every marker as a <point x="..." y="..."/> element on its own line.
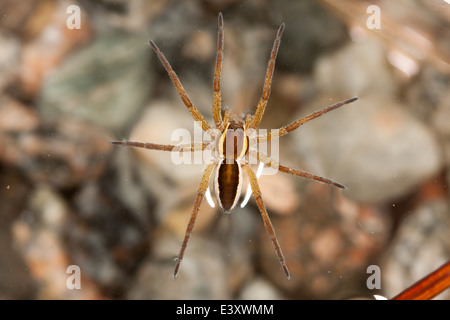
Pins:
<point x="294" y="125"/>
<point x="190" y="227"/>
<point x="217" y="97"/>
<point x="267" y="223"/>
<point x="193" y="109"/>
<point x="267" y="81"/>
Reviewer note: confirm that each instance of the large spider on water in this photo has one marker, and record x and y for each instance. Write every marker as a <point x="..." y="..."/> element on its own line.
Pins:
<point x="233" y="140"/>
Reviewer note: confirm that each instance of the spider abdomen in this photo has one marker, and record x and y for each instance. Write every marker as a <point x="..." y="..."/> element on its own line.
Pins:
<point x="228" y="184"/>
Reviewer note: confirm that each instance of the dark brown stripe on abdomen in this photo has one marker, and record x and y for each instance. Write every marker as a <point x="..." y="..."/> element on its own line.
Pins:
<point x="228" y="184"/>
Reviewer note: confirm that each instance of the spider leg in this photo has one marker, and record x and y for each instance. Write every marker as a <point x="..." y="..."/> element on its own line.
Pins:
<point x="201" y="193"/>
<point x="217" y="98"/>
<point x="164" y="147"/>
<point x="267" y="81"/>
<point x="294" y="125"/>
<point x="193" y="109"/>
<point x="249" y="188"/>
<point x="307" y="175"/>
<point x="268" y="224"/>
<point x="274" y="164"/>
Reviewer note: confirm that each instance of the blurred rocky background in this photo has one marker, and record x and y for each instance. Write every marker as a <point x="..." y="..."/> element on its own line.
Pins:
<point x="69" y="198"/>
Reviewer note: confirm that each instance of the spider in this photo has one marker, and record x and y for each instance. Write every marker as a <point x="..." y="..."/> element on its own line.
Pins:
<point x="232" y="139"/>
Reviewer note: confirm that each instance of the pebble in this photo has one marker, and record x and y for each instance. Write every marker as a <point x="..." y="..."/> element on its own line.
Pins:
<point x="38" y="236"/>
<point x="373" y="146"/>
<point x="51" y="44"/>
<point x="71" y="150"/>
<point x="305" y="39"/>
<point x="104" y="83"/>
<point x="16" y="117"/>
<point x="15" y="15"/>
<point x="200" y="46"/>
<point x="201" y="276"/>
<point x="229" y="241"/>
<point x="357" y="69"/>
<point x="328" y="243"/>
<point x="419" y="247"/>
<point x="428" y="98"/>
<point x="260" y="289"/>
<point x="9" y="59"/>
<point x="107" y="239"/>
<point x="279" y="192"/>
<point x="16" y="281"/>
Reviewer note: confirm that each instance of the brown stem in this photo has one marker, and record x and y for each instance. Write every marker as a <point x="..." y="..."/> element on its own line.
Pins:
<point x="428" y="287"/>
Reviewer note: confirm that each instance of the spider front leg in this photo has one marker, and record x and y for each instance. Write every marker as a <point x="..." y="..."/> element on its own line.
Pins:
<point x="176" y="81"/>
<point x="267" y="81"/>
<point x="217" y="97"/>
<point x="267" y="223"/>
<point x="294" y="125"/>
<point x="191" y="147"/>
<point x="190" y="227"/>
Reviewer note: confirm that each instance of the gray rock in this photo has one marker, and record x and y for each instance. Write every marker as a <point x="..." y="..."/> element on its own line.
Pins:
<point x="17" y="282"/>
<point x="260" y="289"/>
<point x="201" y="275"/>
<point x="428" y="97"/>
<point x="218" y="260"/>
<point x="106" y="82"/>
<point x="9" y="58"/>
<point x="373" y="147"/>
<point x="38" y="236"/>
<point x="16" y="117"/>
<point x="310" y="31"/>
<point x="359" y="68"/>
<point x="420" y="246"/>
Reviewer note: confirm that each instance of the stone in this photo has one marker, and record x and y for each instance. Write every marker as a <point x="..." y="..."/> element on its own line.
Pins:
<point x="16" y="117"/>
<point x="38" y="237"/>
<point x="279" y="192"/>
<point x="106" y="238"/>
<point x="70" y="150"/>
<point x="310" y="31"/>
<point x="441" y="116"/>
<point x="201" y="275"/>
<point x="16" y="15"/>
<point x="104" y="83"/>
<point x="229" y="240"/>
<point x="9" y="59"/>
<point x="260" y="289"/>
<point x="201" y="46"/>
<point x="372" y="146"/>
<point x="176" y="218"/>
<point x="420" y="246"/>
<point x="237" y="234"/>
<point x="132" y="16"/>
<point x="16" y="281"/>
<point x="427" y="97"/>
<point x="53" y="41"/>
<point x="357" y="69"/>
<point x="328" y="243"/>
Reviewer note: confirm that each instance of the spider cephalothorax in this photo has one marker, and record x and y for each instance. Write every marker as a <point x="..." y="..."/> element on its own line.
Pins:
<point x="233" y="146"/>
